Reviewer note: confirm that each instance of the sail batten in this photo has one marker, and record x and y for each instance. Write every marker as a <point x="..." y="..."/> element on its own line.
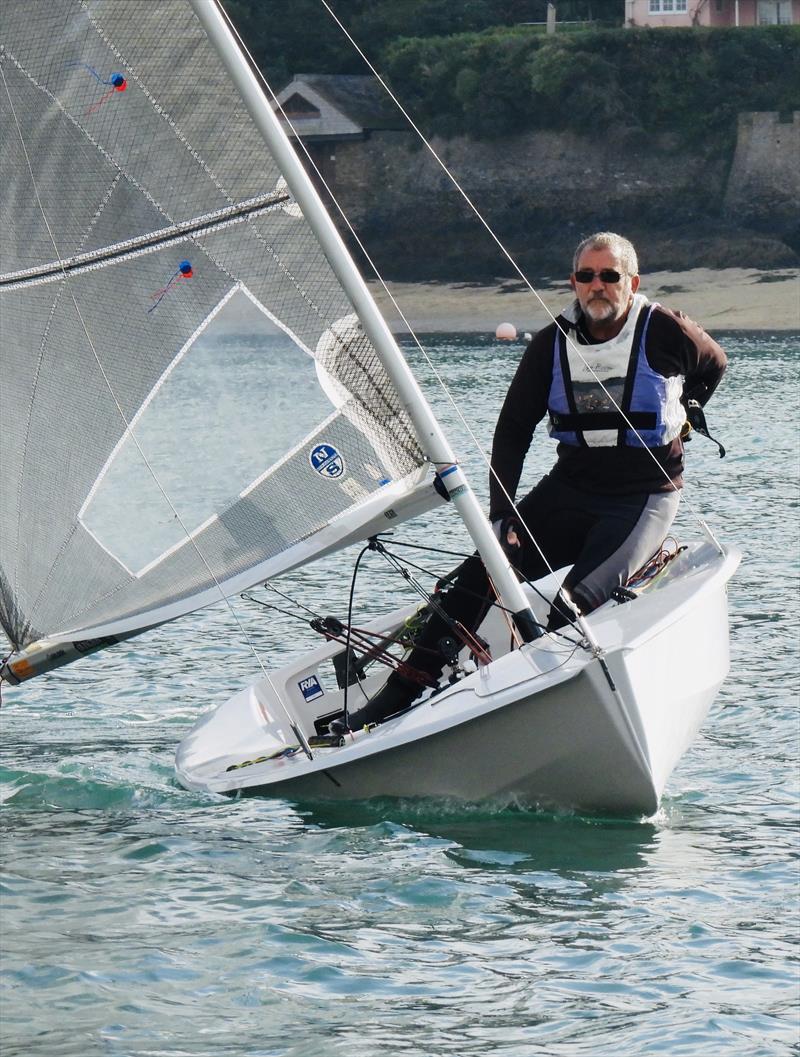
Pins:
<point x="131" y="248"/>
<point x="189" y="403"/>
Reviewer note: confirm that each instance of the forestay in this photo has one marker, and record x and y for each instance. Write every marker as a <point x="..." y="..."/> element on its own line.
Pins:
<point x="144" y="222"/>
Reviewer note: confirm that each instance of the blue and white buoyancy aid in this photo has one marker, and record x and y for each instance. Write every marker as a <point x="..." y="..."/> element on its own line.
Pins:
<point x="582" y="412"/>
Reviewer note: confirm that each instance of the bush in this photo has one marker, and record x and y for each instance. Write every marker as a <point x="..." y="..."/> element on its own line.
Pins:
<point x="691" y="82"/>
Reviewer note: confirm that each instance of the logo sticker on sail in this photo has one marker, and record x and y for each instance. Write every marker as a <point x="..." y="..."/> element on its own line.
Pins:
<point x="326" y="460"/>
<point x="310" y="688"/>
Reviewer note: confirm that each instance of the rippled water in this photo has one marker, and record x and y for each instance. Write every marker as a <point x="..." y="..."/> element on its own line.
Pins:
<point x="139" y="919"/>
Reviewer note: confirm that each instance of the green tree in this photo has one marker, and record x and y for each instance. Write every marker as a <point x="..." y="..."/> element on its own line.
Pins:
<point x="302" y="37"/>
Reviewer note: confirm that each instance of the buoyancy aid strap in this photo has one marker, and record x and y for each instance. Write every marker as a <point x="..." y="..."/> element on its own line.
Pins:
<point x="603" y="420"/>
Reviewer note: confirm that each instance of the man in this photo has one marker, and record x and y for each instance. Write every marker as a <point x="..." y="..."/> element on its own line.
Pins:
<point x="611" y="362"/>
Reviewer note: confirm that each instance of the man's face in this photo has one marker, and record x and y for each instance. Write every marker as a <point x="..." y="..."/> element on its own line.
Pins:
<point x="603" y="302"/>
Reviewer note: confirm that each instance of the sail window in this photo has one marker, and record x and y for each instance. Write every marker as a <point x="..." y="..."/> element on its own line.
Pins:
<point x="233" y="400"/>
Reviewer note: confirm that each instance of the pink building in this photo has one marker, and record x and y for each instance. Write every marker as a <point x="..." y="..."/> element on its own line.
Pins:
<point x="711" y="12"/>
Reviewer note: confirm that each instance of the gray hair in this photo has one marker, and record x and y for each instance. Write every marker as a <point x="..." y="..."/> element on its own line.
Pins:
<point x="609" y="240"/>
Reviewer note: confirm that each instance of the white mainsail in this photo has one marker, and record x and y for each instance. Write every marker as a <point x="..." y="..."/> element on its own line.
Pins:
<point x="137" y="199"/>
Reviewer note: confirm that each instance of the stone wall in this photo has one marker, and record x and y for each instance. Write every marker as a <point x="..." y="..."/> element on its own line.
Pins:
<point x="764" y="183"/>
<point x="542" y="191"/>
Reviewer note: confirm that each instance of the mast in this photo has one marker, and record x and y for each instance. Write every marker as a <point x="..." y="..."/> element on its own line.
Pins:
<point x="429" y="433"/>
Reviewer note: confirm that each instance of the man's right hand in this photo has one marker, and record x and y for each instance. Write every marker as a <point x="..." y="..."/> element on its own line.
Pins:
<point x="509" y="531"/>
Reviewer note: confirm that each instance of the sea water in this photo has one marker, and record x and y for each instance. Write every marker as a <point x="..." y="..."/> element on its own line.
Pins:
<point x="140" y="919"/>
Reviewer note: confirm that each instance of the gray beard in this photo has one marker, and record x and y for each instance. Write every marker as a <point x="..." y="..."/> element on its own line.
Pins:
<point x="601" y="311"/>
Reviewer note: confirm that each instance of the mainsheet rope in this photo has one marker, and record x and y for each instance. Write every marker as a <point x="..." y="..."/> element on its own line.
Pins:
<point x="396" y="564"/>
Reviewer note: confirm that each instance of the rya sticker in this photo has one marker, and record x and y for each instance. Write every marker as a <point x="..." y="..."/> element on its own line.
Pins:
<point x="310" y="688"/>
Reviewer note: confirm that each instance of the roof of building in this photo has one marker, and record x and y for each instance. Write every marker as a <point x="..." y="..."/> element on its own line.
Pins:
<point x="346" y="104"/>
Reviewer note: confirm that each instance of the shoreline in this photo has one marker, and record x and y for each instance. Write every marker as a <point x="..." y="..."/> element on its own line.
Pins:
<point x="720" y="300"/>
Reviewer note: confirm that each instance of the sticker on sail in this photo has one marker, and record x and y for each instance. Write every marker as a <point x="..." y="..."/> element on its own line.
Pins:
<point x="310" y="688"/>
<point x="326" y="460"/>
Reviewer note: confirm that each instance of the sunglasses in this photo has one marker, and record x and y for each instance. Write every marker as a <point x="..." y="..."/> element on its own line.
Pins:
<point x="606" y="275"/>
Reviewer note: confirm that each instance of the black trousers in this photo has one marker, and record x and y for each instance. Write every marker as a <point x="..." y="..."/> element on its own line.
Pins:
<point x="604" y="538"/>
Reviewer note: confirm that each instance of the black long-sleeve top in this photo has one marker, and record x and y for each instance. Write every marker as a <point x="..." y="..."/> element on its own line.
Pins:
<point x="675" y="345"/>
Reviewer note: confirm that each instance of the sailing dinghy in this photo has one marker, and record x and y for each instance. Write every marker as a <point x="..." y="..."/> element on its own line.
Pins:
<point x="149" y="194"/>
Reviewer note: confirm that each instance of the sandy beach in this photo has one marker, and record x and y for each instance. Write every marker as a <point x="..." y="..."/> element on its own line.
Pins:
<point x="732" y="299"/>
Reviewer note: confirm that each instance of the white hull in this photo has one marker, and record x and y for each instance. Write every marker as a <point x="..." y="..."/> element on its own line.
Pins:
<point x="541" y="724"/>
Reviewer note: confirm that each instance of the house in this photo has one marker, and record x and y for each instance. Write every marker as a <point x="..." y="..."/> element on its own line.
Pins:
<point x="334" y="111"/>
<point x="711" y="12"/>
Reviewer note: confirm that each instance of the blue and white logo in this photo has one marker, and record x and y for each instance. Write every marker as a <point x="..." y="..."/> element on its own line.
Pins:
<point x="326" y="460"/>
<point x="310" y="688"/>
